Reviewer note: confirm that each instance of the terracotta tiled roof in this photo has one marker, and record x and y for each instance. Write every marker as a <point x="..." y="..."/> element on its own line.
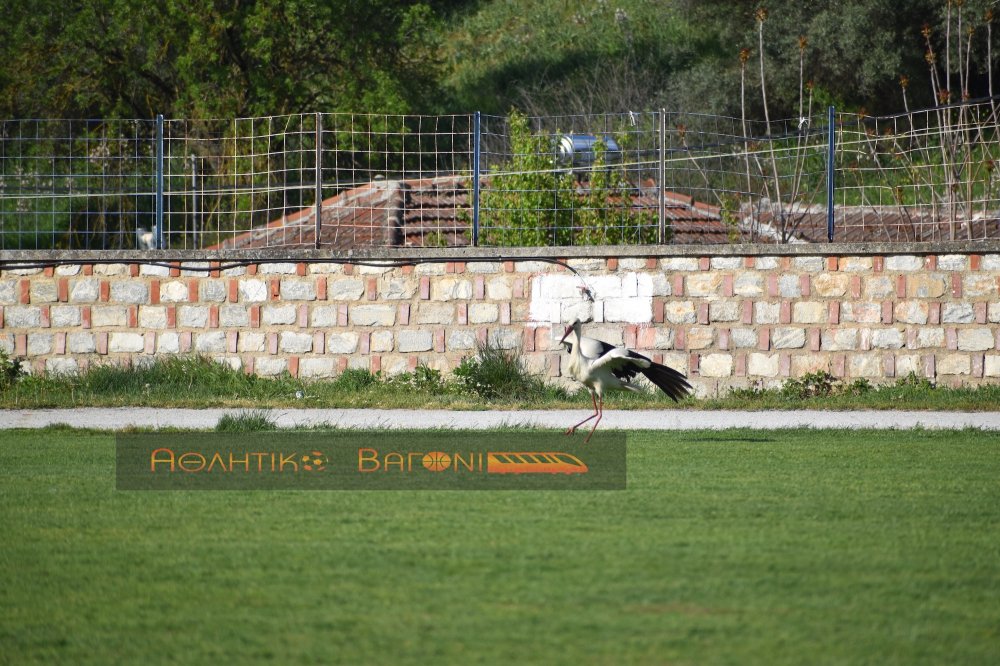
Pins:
<point x="436" y="212"/>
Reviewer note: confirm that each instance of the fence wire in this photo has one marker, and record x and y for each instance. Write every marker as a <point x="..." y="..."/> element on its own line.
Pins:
<point x="360" y="180"/>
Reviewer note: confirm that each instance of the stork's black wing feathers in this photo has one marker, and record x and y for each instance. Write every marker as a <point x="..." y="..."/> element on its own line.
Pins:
<point x="672" y="382"/>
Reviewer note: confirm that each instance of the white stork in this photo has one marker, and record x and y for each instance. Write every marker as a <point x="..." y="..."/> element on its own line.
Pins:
<point x="601" y="366"/>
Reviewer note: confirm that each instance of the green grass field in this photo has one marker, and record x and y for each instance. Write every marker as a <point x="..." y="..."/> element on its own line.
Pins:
<point x="740" y="547"/>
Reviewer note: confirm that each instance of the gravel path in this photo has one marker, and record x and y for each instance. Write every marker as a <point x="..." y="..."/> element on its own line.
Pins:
<point x="116" y="418"/>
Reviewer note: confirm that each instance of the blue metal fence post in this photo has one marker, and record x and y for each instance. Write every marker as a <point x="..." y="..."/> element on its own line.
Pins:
<point x="477" y="134"/>
<point x="319" y="179"/>
<point x="158" y="230"/>
<point x="830" y="164"/>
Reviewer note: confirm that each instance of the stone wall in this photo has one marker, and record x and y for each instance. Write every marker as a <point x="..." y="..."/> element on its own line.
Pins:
<point x="731" y="318"/>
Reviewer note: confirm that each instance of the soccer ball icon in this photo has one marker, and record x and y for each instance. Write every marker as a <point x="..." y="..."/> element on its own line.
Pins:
<point x="314" y="461"/>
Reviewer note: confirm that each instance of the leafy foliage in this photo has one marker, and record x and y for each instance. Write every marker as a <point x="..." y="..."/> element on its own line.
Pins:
<point x="10" y="370"/>
<point x="532" y="202"/>
<point x="497" y="374"/>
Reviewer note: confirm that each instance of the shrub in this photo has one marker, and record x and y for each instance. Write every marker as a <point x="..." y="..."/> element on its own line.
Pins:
<point x="497" y="374"/>
<point x="10" y="370"/>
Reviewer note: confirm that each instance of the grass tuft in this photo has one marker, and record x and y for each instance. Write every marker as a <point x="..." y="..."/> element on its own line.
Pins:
<point x="253" y="420"/>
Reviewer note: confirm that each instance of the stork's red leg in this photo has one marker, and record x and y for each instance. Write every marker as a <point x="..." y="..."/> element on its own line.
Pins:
<point x="600" y="415"/>
<point x="593" y="397"/>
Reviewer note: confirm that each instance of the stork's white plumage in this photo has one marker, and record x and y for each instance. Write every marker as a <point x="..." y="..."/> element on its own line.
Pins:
<point x="601" y="366"/>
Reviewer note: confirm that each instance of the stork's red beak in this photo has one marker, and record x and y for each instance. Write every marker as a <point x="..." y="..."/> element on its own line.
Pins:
<point x="569" y="329"/>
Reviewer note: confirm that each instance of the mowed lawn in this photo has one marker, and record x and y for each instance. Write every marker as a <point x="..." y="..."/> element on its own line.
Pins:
<point x="764" y="547"/>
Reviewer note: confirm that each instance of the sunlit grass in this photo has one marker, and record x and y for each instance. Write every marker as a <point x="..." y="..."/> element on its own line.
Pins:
<point x="738" y="546"/>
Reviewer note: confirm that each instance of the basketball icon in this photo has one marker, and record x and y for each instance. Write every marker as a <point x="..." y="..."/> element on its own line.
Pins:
<point x="437" y="461"/>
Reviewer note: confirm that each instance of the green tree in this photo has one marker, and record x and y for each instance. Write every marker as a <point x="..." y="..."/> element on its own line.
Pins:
<point x="182" y="58"/>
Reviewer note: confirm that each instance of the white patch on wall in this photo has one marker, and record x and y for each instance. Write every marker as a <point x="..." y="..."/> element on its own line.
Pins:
<point x="556" y="298"/>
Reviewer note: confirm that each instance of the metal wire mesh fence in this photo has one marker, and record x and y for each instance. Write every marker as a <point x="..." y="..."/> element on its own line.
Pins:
<point x="359" y="180"/>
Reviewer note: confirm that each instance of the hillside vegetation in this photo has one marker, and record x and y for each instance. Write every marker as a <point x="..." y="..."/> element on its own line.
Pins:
<point x="129" y="58"/>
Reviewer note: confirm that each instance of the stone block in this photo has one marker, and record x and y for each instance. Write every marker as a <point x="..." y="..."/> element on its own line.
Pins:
<point x="324" y="316"/>
<point x="129" y="292"/>
<point x="888" y="338"/>
<point x="341" y="343"/>
<point x="831" y="285"/>
<point x="461" y="340"/>
<point x="716" y="365"/>
<point x="252" y="341"/>
<point x="700" y="337"/>
<point x="108" y="315"/>
<point x="277" y="315"/>
<point x="22" y="316"/>
<point x="953" y="262"/>
<point x="316" y="368"/>
<point x="267" y="366"/>
<point x="192" y="316"/>
<point x="213" y="291"/>
<point x="131" y="343"/>
<point x="977" y="285"/>
<point x="809" y="312"/>
<point x="252" y="291"/>
<point x="680" y="312"/>
<point x="911" y="312"/>
<point x="211" y="342"/>
<point x="878" y="287"/>
<point x="763" y="365"/>
<point x="862" y="312"/>
<point x="499" y="289"/>
<point x="168" y="342"/>
<point x="748" y="284"/>
<point x="152" y="316"/>
<point x="345" y="289"/>
<point x="809" y="264"/>
<point x="975" y="339"/>
<point x="789" y="286"/>
<point x="81" y="343"/>
<point x="381" y="341"/>
<point x="954" y="364"/>
<point x="637" y="310"/>
<point x="743" y="338"/>
<point x="61" y="366"/>
<point x="298" y="290"/>
<point x="414" y="341"/>
<point x="483" y="313"/>
<point x="865" y="365"/>
<point x="856" y="264"/>
<point x="766" y="313"/>
<point x="704" y="285"/>
<point x="904" y="263"/>
<point x="399" y="289"/>
<point x="175" y="291"/>
<point x="788" y="338"/>
<point x="679" y="264"/>
<point x="86" y="290"/>
<point x="233" y="316"/>
<point x="147" y="270"/>
<point x="434" y="313"/>
<point x="930" y="285"/>
<point x="450" y="289"/>
<point x="277" y="268"/>
<point x="724" y="311"/>
<point x="841" y="339"/>
<point x="292" y="342"/>
<point x="958" y="313"/>
<point x="44" y="291"/>
<point x="930" y="337"/>
<point x="726" y="263"/>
